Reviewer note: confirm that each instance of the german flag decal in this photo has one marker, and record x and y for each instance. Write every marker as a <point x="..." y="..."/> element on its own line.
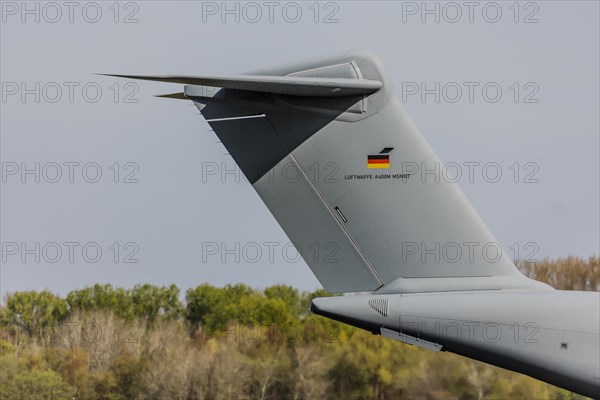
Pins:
<point x="381" y="160"/>
<point x="378" y="161"/>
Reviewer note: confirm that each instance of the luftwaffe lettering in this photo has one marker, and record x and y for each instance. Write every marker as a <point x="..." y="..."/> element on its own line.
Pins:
<point x="402" y="177"/>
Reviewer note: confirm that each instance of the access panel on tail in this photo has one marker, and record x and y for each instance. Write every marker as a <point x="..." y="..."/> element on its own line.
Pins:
<point x="340" y="165"/>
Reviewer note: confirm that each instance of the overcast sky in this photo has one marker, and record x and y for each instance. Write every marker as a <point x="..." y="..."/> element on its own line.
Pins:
<point x="154" y="202"/>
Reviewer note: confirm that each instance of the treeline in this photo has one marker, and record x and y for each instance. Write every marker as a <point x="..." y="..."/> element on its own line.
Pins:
<point x="235" y="342"/>
<point x="571" y="273"/>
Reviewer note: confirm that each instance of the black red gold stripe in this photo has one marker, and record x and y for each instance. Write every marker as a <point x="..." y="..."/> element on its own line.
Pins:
<point x="378" y="161"/>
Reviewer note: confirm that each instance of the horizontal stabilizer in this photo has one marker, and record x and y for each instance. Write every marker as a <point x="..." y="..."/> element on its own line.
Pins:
<point x="177" y="96"/>
<point x="285" y="85"/>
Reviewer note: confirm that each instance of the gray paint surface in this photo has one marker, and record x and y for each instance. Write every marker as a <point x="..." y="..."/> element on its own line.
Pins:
<point x="549" y="335"/>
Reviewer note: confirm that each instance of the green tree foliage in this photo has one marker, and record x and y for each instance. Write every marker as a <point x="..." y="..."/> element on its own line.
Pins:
<point x="206" y="306"/>
<point x="143" y="301"/>
<point x="236" y="342"/>
<point x="33" y="312"/>
<point x="151" y="301"/>
<point x="36" y="385"/>
<point x="102" y="297"/>
<point x="288" y="295"/>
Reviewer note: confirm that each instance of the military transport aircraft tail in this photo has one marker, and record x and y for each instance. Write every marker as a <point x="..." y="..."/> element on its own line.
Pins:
<point x="350" y="179"/>
<point x="368" y="204"/>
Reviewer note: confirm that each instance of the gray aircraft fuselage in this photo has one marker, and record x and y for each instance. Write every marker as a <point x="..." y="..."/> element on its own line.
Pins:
<point x="550" y="335"/>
